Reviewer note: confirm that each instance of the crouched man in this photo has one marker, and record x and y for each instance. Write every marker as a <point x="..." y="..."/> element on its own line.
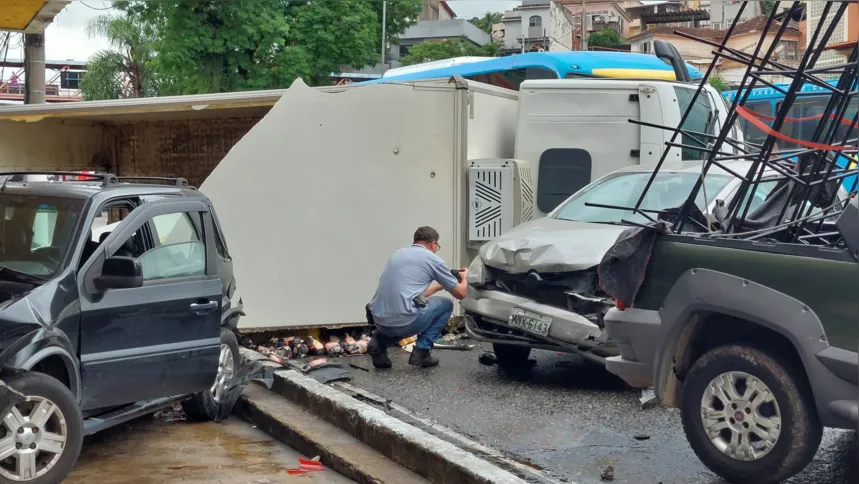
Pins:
<point x="402" y="306"/>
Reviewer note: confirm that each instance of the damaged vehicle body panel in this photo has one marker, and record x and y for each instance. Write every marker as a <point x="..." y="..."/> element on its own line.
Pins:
<point x="537" y="286"/>
<point x="98" y="327"/>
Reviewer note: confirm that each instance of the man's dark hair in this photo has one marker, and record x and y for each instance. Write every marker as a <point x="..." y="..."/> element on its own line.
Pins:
<point x="426" y="235"/>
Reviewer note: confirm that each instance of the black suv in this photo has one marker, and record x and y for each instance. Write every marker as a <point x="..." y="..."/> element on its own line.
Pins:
<point x="115" y="300"/>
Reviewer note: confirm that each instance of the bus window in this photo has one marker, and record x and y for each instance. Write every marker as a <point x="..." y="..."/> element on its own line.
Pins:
<point x="751" y="132"/>
<point x="849" y="116"/>
<point x="512" y="79"/>
<point x="805" y="108"/>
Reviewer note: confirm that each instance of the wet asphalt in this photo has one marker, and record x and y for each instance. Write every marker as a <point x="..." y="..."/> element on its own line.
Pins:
<point x="571" y="419"/>
<point x="148" y="450"/>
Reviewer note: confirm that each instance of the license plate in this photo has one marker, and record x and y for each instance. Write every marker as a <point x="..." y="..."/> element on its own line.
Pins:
<point x="531" y="322"/>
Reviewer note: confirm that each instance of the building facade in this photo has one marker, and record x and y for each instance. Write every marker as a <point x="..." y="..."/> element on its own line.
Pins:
<point x="602" y="14"/>
<point x="745" y="38"/>
<point x="846" y="30"/>
<point x="537" y="25"/>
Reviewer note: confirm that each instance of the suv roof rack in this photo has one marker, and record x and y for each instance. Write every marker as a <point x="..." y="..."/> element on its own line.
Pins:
<point x="179" y="182"/>
<point x="106" y="178"/>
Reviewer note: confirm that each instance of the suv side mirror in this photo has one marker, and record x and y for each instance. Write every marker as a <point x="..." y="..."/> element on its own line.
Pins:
<point x="119" y="273"/>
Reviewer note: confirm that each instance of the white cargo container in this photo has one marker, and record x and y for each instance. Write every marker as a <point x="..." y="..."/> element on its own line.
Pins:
<point x="316" y="197"/>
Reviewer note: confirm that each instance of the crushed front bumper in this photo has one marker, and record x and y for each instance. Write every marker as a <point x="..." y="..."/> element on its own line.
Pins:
<point x="496" y="306"/>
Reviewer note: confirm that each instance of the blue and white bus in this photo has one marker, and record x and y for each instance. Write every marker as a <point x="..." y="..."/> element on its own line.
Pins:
<point x="811" y="102"/>
<point x="510" y="71"/>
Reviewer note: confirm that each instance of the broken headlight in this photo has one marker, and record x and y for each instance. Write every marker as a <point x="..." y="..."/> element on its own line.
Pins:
<point x="478" y="274"/>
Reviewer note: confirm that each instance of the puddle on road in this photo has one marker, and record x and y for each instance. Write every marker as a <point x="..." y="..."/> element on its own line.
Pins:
<point x="230" y="452"/>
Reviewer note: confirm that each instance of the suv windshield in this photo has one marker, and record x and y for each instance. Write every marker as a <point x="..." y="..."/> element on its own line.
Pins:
<point x="669" y="190"/>
<point x="36" y="232"/>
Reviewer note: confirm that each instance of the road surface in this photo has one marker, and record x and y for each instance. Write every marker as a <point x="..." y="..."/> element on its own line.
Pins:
<point x="231" y="452"/>
<point x="571" y="419"/>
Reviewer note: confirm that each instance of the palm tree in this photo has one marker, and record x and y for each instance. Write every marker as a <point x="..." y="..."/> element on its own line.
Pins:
<point x="486" y="22"/>
<point x="123" y="70"/>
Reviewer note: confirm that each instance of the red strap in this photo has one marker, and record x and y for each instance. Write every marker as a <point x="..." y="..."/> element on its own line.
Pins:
<point x="750" y="117"/>
<point x="801" y="120"/>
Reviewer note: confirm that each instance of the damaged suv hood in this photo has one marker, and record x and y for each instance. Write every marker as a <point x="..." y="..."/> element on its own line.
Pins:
<point x="551" y="245"/>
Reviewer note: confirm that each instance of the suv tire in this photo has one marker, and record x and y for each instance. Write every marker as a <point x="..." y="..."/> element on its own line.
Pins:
<point x="780" y="408"/>
<point x="202" y="407"/>
<point x="511" y="357"/>
<point x="43" y="391"/>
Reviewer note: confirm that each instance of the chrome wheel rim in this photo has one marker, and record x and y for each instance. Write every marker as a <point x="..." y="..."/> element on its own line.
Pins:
<point x="741" y="416"/>
<point x="226" y="369"/>
<point x="33" y="436"/>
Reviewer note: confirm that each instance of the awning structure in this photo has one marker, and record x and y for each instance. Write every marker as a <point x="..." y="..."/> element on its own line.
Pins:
<point x="29" y="16"/>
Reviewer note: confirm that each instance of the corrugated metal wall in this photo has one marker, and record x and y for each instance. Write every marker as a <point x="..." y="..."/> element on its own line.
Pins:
<point x="180" y="148"/>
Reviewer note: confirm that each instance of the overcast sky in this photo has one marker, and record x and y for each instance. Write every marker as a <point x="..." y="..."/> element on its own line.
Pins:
<point x="66" y="37"/>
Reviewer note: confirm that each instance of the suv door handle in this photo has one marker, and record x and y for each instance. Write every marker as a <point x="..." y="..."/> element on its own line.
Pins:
<point x="203" y="307"/>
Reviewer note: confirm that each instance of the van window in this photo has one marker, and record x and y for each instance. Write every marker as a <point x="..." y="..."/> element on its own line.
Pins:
<point x="563" y="172"/>
<point x="698" y="121"/>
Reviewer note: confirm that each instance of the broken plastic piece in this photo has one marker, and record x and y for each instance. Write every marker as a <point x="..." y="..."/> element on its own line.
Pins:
<point x="648" y="398"/>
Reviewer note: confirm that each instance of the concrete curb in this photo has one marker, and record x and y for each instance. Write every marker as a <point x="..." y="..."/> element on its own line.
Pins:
<point x="310" y="435"/>
<point x="427" y="455"/>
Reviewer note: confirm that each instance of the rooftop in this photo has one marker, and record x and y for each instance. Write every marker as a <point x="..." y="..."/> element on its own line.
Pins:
<point x="30" y="16"/>
<point x="756" y="24"/>
<point x="446" y="29"/>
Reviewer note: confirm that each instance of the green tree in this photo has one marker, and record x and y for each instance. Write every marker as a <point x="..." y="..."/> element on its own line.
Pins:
<point x="123" y="70"/>
<point x="446" y="49"/>
<point x="218" y="45"/>
<point x="604" y="38"/>
<point x="767" y="6"/>
<point x="486" y="22"/>
<point x="719" y="83"/>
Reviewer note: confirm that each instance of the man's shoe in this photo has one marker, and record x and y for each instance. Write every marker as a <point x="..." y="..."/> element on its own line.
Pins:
<point x="422" y="358"/>
<point x="379" y="352"/>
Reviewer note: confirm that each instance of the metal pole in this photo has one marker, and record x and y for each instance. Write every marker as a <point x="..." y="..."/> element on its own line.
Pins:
<point x="584" y="42"/>
<point x="34" y="68"/>
<point x="384" y="19"/>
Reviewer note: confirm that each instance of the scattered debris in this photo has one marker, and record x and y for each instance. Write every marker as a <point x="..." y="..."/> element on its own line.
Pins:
<point x="607" y="473"/>
<point x="306" y="465"/>
<point x="453" y="346"/>
<point x="172" y="414"/>
<point x="360" y="363"/>
<point x="488" y="359"/>
<point x="641" y="437"/>
<point x="648" y="398"/>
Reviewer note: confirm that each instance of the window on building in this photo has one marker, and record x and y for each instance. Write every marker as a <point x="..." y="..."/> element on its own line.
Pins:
<point x="404" y="50"/>
<point x="535" y="21"/>
<point x="717" y="25"/>
<point x="789" y="50"/>
<point x="71" y="79"/>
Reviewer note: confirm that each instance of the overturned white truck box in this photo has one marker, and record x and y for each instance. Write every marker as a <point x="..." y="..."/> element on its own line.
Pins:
<point x="319" y="193"/>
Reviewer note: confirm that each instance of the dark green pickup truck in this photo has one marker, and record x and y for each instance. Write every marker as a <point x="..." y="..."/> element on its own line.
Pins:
<point x="755" y="342"/>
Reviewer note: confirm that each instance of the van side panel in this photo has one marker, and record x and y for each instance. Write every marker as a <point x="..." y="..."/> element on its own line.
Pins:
<point x="593" y="118"/>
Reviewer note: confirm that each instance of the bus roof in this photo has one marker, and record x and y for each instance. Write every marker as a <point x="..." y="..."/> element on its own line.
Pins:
<point x="582" y="63"/>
